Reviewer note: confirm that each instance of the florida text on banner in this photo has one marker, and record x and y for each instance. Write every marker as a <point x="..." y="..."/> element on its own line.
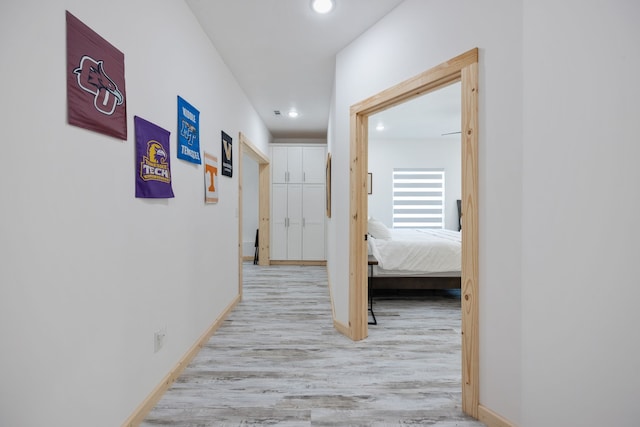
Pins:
<point x="210" y="178"/>
<point x="95" y="82"/>
<point x="188" y="132"/>
<point x="153" y="169"/>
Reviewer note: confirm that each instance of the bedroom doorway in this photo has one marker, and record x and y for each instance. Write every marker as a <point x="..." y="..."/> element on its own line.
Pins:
<point x="463" y="69"/>
<point x="248" y="149"/>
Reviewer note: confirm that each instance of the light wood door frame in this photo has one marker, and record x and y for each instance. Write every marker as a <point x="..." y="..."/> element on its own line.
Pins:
<point x="463" y="68"/>
<point x="264" y="173"/>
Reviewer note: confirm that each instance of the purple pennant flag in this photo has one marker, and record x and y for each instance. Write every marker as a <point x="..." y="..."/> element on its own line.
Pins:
<point x="153" y="171"/>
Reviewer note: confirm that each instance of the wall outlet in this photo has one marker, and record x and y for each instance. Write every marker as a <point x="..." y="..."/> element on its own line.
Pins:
<point x="158" y="339"/>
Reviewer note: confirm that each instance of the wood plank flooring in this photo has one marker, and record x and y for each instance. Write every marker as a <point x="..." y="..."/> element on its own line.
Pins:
<point x="278" y="361"/>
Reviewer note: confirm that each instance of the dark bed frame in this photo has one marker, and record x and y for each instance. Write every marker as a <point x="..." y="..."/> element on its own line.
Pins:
<point x="378" y="282"/>
<point x="409" y="282"/>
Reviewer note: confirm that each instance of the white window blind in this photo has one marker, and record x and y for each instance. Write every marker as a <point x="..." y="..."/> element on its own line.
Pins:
<point x="418" y="198"/>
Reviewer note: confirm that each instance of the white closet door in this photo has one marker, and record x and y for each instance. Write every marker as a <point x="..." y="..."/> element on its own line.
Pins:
<point x="313" y="211"/>
<point x="294" y="229"/>
<point x="314" y="164"/>
<point x="294" y="164"/>
<point x="279" y="164"/>
<point x="297" y="202"/>
<point x="278" y="249"/>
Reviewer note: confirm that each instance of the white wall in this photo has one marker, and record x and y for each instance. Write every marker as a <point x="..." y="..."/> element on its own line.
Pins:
<point x="87" y="271"/>
<point x="414" y="37"/>
<point x="440" y="153"/>
<point x="581" y="198"/>
<point x="250" y="194"/>
<point x="558" y="192"/>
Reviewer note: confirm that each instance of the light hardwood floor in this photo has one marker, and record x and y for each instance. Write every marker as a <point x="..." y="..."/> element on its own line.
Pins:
<point x="278" y="361"/>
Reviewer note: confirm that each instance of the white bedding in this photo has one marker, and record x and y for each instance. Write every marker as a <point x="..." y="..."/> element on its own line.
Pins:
<point x="419" y="251"/>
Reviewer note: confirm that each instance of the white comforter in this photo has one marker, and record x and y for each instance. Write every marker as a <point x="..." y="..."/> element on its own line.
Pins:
<point x="419" y="250"/>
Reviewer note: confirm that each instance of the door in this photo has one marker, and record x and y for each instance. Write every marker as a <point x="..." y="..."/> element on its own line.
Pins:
<point x="294" y="221"/>
<point x="294" y="165"/>
<point x="279" y="221"/>
<point x="313" y="162"/>
<point x="279" y="165"/>
<point x="313" y="211"/>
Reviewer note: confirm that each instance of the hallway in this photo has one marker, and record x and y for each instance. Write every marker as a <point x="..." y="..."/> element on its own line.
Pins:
<point x="277" y="360"/>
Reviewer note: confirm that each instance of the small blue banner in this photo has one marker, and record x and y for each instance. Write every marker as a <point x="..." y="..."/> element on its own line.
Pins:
<point x="188" y="132"/>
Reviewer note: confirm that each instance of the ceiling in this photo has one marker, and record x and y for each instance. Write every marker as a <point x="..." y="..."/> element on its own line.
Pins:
<point x="436" y="114"/>
<point x="283" y="56"/>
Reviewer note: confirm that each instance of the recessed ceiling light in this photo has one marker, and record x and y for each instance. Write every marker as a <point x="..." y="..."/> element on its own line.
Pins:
<point x="293" y="114"/>
<point x="322" y="6"/>
<point x="380" y="127"/>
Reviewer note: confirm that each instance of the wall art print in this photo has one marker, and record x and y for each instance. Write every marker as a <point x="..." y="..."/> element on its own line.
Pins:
<point x="210" y="178"/>
<point x="227" y="155"/>
<point x="328" y="185"/>
<point x="153" y="168"/>
<point x="188" y="132"/>
<point x="96" y="97"/>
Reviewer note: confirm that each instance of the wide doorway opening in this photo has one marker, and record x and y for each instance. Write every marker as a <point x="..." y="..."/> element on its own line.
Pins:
<point x="463" y="69"/>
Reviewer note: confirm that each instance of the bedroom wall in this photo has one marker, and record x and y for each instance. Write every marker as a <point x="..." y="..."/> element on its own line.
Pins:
<point x="414" y="37"/>
<point x="88" y="272"/>
<point x="386" y="155"/>
<point x="580" y="203"/>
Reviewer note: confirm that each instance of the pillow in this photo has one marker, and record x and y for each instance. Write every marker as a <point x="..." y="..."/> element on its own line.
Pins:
<point x="378" y="230"/>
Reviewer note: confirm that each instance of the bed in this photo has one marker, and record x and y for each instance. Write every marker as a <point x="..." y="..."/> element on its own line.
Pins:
<point x="414" y="258"/>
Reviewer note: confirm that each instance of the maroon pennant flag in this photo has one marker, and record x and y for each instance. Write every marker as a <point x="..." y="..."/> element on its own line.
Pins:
<point x="95" y="82"/>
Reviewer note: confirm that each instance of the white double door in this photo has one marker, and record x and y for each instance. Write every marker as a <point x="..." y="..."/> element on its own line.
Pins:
<point x="296" y="164"/>
<point x="298" y="222"/>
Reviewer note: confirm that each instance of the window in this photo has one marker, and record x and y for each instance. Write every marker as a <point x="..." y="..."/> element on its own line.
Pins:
<point x="418" y="198"/>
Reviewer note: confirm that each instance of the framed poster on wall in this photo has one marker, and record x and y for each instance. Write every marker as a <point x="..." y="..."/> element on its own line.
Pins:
<point x="328" y="185"/>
